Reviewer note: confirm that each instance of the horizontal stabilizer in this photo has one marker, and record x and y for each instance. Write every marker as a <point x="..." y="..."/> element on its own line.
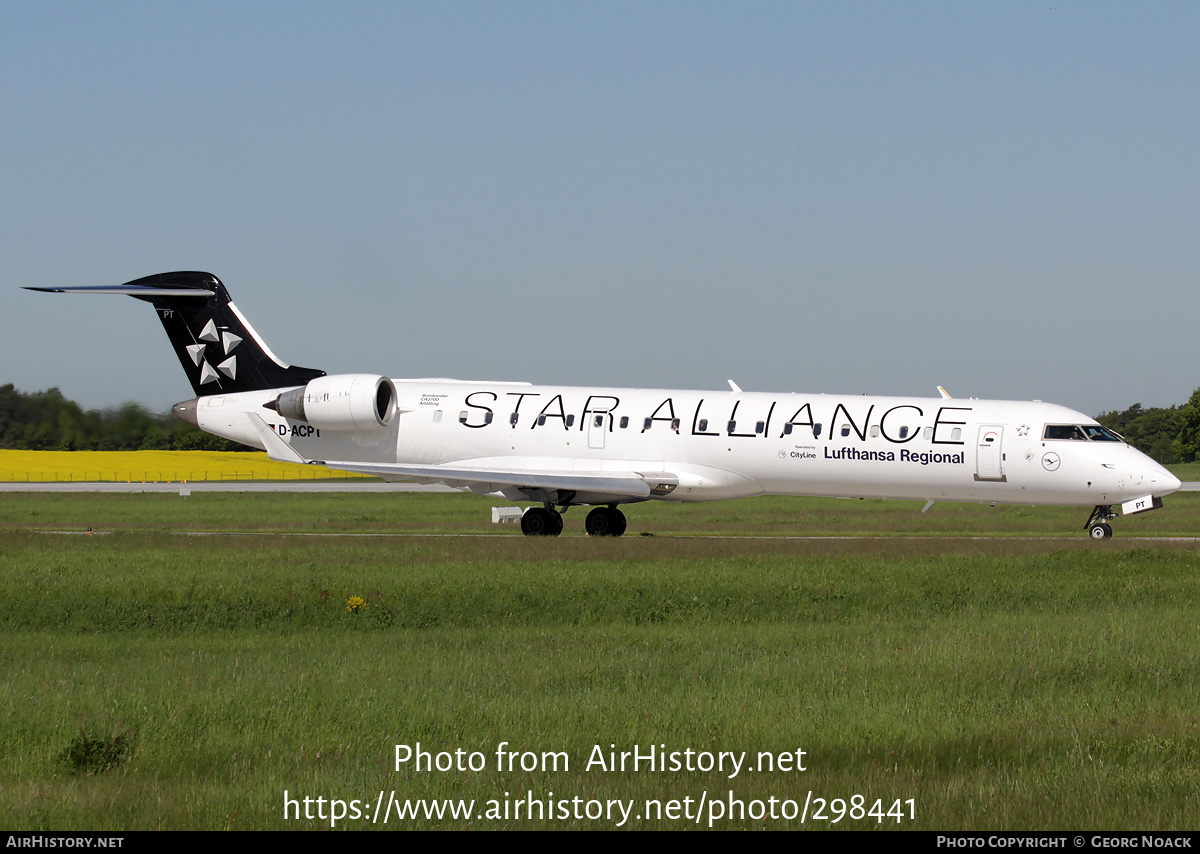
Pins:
<point x="130" y="290"/>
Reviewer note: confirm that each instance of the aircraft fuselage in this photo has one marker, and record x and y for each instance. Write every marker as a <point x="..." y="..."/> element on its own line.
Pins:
<point x="730" y="445"/>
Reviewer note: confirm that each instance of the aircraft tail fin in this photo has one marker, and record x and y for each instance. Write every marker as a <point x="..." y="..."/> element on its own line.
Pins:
<point x="218" y="348"/>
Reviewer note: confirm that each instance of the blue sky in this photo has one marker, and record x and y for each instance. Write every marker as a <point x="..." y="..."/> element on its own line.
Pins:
<point x="1003" y="199"/>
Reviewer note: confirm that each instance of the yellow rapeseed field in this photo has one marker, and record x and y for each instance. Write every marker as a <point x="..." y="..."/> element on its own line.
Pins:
<point x="157" y="466"/>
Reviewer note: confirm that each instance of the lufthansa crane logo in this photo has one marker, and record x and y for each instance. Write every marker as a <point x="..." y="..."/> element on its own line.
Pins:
<point x="1050" y="461"/>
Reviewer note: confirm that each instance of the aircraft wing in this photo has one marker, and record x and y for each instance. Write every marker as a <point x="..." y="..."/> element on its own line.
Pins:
<point x="485" y="479"/>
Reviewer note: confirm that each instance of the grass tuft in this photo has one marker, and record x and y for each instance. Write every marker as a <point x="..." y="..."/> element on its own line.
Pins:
<point x="90" y="753"/>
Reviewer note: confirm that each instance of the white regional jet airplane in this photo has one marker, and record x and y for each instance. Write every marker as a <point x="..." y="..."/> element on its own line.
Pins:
<point x="563" y="446"/>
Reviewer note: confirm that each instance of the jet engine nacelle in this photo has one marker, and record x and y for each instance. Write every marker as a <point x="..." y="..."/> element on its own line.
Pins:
<point x="340" y="402"/>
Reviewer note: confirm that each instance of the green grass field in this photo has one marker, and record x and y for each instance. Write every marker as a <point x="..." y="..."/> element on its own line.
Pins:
<point x="197" y="661"/>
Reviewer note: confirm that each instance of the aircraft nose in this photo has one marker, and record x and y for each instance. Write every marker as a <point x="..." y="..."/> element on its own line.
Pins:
<point x="1161" y="479"/>
<point x="1148" y="475"/>
<point x="1154" y="476"/>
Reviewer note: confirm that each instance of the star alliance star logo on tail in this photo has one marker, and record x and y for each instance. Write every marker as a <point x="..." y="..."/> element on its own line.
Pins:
<point x="199" y="352"/>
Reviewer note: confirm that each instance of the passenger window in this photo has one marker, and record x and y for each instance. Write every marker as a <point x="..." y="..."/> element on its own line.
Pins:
<point x="760" y="426"/>
<point x="956" y="434"/>
<point x="487" y="419"/>
<point x="437" y="416"/>
<point x="903" y="432"/>
<point x="845" y="429"/>
<point x="732" y="425"/>
<point x="624" y="421"/>
<point x="599" y="421"/>
<point x="570" y="420"/>
<point x="703" y="425"/>
<point x="462" y="417"/>
<point x="512" y="419"/>
<point x="874" y="431"/>
<point x="928" y="432"/>
<point x="787" y="429"/>
<point x="646" y="424"/>
<point x="541" y="420"/>
<point x="816" y="431"/>
<point x="675" y="424"/>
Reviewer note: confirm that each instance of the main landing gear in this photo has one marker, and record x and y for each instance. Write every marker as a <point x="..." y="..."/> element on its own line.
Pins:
<point x="548" y="522"/>
<point x="605" y="522"/>
<point x="1097" y="524"/>
<point x="541" y="522"/>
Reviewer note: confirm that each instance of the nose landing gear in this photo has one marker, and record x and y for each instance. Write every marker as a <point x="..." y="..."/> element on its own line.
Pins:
<point x="1097" y="524"/>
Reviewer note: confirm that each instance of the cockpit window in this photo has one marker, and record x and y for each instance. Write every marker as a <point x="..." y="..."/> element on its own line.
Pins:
<point x="1100" y="434"/>
<point x="1074" y="432"/>
<point x="1064" y="431"/>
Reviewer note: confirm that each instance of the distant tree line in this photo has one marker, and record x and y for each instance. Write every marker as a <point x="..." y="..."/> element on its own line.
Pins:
<point x="1168" y="435"/>
<point x="47" y="421"/>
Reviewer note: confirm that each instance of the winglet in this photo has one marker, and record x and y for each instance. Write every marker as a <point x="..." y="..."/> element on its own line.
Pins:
<point x="944" y="393"/>
<point x="277" y="449"/>
<point x="734" y="386"/>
